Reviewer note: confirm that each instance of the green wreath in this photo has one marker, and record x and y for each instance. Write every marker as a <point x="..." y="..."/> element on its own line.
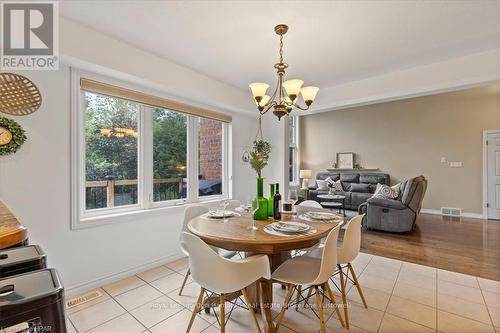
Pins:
<point x="18" y="136"/>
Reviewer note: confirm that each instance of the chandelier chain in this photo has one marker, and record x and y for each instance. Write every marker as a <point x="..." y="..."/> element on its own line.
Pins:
<point x="281" y="48"/>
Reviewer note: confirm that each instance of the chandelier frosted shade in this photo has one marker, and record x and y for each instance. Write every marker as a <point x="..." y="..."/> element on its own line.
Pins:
<point x="258" y="89"/>
<point x="309" y="94"/>
<point x="292" y="87"/>
<point x="284" y="98"/>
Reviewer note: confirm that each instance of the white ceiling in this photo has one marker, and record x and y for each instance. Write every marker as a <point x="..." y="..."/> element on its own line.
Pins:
<point x="329" y="42"/>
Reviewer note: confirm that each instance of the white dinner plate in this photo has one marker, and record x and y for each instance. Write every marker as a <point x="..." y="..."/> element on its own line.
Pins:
<point x="290" y="227"/>
<point x="219" y="214"/>
<point x="322" y="216"/>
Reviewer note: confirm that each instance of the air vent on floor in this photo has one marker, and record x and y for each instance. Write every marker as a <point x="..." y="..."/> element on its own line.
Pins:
<point x="79" y="300"/>
<point x="448" y="211"/>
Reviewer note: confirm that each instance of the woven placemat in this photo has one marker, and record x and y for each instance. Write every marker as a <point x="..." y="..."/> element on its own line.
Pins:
<point x="18" y="95"/>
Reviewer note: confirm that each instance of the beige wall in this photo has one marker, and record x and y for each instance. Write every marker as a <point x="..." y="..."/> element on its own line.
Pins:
<point x="408" y="138"/>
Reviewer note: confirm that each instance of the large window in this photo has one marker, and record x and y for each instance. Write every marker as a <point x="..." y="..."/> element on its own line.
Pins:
<point x="293" y="156"/>
<point x="131" y="156"/>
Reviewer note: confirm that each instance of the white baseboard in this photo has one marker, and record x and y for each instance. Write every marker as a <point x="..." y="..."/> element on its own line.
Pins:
<point x="464" y="214"/>
<point x="99" y="282"/>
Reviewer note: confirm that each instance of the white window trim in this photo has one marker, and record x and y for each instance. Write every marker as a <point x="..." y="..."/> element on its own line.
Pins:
<point x="296" y="164"/>
<point x="145" y="206"/>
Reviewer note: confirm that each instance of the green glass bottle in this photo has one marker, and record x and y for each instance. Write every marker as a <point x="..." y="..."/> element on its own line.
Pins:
<point x="270" y="205"/>
<point x="261" y="213"/>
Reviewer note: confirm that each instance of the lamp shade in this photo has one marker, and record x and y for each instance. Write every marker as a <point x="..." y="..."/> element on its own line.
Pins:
<point x="258" y="88"/>
<point x="309" y="93"/>
<point x="304" y="173"/>
<point x="292" y="87"/>
<point x="264" y="100"/>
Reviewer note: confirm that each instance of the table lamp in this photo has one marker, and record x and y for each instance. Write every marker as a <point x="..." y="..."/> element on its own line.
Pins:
<point x="305" y="175"/>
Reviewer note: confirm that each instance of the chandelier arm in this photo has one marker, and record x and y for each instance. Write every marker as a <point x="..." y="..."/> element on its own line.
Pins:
<point x="268" y="107"/>
<point x="300" y="107"/>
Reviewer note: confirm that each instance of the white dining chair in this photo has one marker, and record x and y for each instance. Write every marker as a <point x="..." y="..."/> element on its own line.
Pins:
<point x="190" y="213"/>
<point x="303" y="207"/>
<point x="222" y="276"/>
<point x="233" y="204"/>
<point x="347" y="252"/>
<point x="310" y="203"/>
<point x="312" y="273"/>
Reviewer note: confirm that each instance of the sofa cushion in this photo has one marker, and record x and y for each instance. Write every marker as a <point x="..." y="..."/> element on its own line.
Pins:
<point x="349" y="177"/>
<point x="358" y="198"/>
<point x="322" y="184"/>
<point x="325" y="175"/>
<point x="387" y="203"/>
<point x="374" y="178"/>
<point x="360" y="188"/>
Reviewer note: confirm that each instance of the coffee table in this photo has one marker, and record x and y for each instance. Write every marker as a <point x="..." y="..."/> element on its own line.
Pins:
<point x="337" y="201"/>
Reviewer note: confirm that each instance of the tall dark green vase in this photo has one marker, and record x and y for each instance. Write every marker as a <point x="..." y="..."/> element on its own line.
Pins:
<point x="270" y="205"/>
<point x="261" y="213"/>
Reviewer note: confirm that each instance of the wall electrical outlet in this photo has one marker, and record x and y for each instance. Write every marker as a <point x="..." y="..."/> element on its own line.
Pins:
<point x="443" y="159"/>
<point x="455" y="164"/>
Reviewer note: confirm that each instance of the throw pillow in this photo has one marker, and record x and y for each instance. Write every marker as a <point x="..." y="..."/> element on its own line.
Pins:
<point x="337" y="186"/>
<point x="322" y="185"/>
<point x="386" y="192"/>
<point x="360" y="188"/>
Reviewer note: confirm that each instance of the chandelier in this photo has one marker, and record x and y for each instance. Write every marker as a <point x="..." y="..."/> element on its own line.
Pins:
<point x="285" y="96"/>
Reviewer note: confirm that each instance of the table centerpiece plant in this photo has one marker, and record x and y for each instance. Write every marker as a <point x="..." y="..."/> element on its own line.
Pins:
<point x="259" y="157"/>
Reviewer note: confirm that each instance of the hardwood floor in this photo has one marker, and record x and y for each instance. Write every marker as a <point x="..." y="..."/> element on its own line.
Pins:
<point x="469" y="246"/>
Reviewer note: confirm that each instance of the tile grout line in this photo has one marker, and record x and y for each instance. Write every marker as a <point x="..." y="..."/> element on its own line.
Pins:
<point x="392" y="291"/>
<point x="486" y="305"/>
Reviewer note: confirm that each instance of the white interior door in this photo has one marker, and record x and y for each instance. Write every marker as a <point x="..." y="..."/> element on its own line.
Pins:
<point x="493" y="151"/>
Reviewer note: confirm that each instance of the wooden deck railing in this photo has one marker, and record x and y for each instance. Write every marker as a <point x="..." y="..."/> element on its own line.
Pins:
<point x="110" y="186"/>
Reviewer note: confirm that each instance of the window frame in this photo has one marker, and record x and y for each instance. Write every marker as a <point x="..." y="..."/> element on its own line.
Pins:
<point x="294" y="145"/>
<point x="83" y="218"/>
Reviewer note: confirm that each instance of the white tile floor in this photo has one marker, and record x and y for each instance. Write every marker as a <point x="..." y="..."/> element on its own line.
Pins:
<point x="402" y="297"/>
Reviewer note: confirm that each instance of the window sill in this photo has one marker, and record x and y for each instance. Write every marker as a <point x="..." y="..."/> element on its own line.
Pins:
<point x="134" y="215"/>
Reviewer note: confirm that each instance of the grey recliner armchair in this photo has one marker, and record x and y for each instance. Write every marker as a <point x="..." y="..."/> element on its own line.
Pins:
<point x="396" y="215"/>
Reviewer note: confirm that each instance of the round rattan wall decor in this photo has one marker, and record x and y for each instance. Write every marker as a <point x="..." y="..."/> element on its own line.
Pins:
<point x="18" y="95"/>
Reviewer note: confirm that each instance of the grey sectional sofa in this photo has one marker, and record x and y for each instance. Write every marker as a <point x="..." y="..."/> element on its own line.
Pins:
<point x="348" y="178"/>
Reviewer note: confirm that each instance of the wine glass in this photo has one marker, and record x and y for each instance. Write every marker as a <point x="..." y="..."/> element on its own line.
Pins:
<point x="255" y="208"/>
<point x="223" y="203"/>
<point x="292" y="195"/>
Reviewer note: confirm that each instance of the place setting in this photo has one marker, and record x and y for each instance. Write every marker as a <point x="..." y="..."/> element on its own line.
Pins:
<point x="222" y="214"/>
<point x="290" y="228"/>
<point x="317" y="216"/>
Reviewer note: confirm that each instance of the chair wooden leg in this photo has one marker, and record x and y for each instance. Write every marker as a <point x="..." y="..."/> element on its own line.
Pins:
<point x="356" y="283"/>
<point x="283" y="309"/>
<point x="332" y="297"/>
<point x="309" y="293"/>
<point x="222" y="301"/>
<point x="184" y="282"/>
<point x="250" y="308"/>
<point x="297" y="300"/>
<point x="343" y="283"/>
<point x="196" y="309"/>
<point x="319" y="306"/>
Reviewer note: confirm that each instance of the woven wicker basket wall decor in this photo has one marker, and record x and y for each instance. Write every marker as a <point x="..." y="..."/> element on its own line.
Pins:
<point x="18" y="95"/>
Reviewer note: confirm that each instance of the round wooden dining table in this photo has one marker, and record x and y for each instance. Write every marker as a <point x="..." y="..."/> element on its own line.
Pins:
<point x="236" y="234"/>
